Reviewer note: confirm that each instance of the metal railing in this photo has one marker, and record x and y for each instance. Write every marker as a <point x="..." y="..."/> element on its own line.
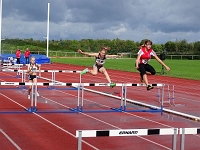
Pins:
<point x="76" y="54"/>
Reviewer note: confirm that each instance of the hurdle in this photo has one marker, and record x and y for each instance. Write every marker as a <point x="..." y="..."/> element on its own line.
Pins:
<point x="53" y="74"/>
<point x="123" y="99"/>
<point x="127" y="132"/>
<point x="152" y="109"/>
<point x="80" y="86"/>
<point x="12" y="66"/>
<point x="170" y="95"/>
<point x="17" y="67"/>
<point x="63" y="71"/>
<point x="33" y="106"/>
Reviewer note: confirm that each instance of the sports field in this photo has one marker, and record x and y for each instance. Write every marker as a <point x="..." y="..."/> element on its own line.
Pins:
<point x="188" y="69"/>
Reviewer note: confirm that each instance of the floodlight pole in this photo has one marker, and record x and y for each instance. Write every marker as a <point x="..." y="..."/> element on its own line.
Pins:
<point x="48" y="30"/>
<point x="0" y="23"/>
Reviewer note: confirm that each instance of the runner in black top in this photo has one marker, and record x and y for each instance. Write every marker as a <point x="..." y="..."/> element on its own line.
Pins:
<point x="98" y="66"/>
<point x="32" y="71"/>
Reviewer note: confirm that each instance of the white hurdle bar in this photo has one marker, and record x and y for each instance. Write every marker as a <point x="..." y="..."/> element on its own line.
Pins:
<point x="75" y="84"/>
<point x="65" y="71"/>
<point x="127" y="132"/>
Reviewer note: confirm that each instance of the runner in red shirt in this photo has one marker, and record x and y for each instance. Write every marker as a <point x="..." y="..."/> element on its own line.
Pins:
<point x="27" y="55"/>
<point x="144" y="56"/>
<point x="18" y="55"/>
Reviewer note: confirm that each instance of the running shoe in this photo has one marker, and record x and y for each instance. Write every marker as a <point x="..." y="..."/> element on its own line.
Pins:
<point x="84" y="71"/>
<point x="149" y="87"/>
<point x="38" y="94"/>
<point x="141" y="80"/>
<point x="112" y="84"/>
<point x="29" y="97"/>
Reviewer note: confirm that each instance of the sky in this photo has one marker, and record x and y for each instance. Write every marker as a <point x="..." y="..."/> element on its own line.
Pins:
<point x="158" y="20"/>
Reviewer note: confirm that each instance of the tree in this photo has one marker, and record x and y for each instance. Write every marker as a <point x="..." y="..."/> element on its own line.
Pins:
<point x="170" y="46"/>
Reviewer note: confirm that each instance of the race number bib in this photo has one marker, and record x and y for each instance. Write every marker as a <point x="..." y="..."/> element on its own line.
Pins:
<point x="145" y="61"/>
<point x="100" y="61"/>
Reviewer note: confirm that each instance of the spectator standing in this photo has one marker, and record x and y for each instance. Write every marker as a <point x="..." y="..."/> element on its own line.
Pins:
<point x="27" y="55"/>
<point x="18" y="55"/>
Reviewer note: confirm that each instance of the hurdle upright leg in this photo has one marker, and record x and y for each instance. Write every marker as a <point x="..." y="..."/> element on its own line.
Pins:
<point x="162" y="99"/>
<point x="158" y="94"/>
<point x="78" y="107"/>
<point x="120" y="109"/>
<point x="82" y="97"/>
<point x="173" y="98"/>
<point x="18" y="71"/>
<point x="35" y="98"/>
<point x="174" y="139"/>
<point x="79" y="140"/>
<point x="182" y="143"/>
<point x="23" y="77"/>
<point x="124" y="94"/>
<point x="52" y="78"/>
<point x="169" y="94"/>
<point x="32" y="99"/>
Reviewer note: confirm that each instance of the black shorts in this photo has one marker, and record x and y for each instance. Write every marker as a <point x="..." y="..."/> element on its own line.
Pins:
<point x="98" y="66"/>
<point x="31" y="77"/>
<point x="143" y="68"/>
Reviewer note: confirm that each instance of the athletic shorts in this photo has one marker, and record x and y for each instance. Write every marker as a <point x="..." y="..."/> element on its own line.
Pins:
<point x="98" y="66"/>
<point x="31" y="77"/>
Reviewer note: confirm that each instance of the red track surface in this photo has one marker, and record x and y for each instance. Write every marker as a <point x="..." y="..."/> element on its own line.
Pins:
<point x="33" y="131"/>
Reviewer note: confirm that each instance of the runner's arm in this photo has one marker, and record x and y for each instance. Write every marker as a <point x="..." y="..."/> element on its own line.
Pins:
<point x="115" y="56"/>
<point x="87" y="54"/>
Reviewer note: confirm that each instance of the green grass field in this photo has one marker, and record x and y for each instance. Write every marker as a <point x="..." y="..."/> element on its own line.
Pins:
<point x="189" y="69"/>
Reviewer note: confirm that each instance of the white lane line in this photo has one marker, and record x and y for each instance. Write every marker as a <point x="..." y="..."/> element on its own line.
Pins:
<point x="10" y="139"/>
<point x="51" y="123"/>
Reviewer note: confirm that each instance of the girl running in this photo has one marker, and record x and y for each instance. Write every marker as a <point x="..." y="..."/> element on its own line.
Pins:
<point x="98" y="66"/>
<point x="144" y="56"/>
<point x="32" y="71"/>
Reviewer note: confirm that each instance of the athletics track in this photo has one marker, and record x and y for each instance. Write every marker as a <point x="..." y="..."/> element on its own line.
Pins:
<point x="58" y="130"/>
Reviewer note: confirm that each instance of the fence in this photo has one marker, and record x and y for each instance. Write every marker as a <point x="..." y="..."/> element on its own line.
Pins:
<point x="76" y="54"/>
